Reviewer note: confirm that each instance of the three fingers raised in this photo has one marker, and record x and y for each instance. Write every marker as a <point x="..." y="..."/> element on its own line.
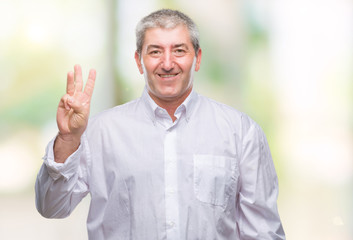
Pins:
<point x="75" y="85"/>
<point x="75" y="82"/>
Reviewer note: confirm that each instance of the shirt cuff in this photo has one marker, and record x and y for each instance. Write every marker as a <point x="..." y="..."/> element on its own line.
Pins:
<point x="66" y="169"/>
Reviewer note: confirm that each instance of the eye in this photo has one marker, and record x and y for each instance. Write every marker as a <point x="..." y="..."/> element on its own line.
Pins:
<point x="179" y="52"/>
<point x="154" y="53"/>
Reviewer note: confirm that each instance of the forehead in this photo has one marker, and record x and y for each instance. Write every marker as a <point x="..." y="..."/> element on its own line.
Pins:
<point x="167" y="37"/>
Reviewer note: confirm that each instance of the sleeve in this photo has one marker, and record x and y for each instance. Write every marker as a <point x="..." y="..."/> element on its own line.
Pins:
<point x="257" y="206"/>
<point x="61" y="186"/>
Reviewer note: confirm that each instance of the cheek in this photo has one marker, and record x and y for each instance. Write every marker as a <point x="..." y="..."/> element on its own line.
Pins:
<point x="151" y="64"/>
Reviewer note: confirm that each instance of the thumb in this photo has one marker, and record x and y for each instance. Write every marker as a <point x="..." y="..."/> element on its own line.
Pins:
<point x="77" y="106"/>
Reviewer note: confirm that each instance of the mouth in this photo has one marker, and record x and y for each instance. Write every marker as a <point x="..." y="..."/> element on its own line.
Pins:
<point x="168" y="76"/>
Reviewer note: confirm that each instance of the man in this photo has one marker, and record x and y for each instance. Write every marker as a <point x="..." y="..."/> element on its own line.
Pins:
<point x="169" y="165"/>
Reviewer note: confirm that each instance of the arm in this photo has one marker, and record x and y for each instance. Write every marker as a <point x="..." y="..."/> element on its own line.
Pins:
<point x="62" y="180"/>
<point x="61" y="186"/>
<point x="258" y="215"/>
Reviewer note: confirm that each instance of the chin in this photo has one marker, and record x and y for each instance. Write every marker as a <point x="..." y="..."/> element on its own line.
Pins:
<point x="167" y="95"/>
<point x="168" y="92"/>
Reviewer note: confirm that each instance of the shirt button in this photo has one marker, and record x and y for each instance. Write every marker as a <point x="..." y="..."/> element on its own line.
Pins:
<point x="170" y="224"/>
<point x="170" y="191"/>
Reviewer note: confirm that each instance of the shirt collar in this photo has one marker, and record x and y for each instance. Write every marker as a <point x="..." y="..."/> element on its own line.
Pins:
<point x="187" y="106"/>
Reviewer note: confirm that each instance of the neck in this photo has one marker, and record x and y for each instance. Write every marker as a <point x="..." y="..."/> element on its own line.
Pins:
<point x="170" y="105"/>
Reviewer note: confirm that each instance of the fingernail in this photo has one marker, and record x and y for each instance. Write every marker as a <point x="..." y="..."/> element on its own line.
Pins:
<point x="70" y="100"/>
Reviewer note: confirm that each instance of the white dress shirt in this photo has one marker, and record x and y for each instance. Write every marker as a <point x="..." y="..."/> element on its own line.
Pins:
<point x="208" y="175"/>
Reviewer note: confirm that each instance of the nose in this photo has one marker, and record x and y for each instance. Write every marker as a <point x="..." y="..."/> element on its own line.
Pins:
<point x="167" y="64"/>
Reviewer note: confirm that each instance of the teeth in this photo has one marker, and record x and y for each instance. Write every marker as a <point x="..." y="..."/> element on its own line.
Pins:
<point x="166" y="76"/>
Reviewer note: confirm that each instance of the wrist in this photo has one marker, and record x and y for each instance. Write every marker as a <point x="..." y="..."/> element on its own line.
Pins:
<point x="65" y="145"/>
<point x="69" y="138"/>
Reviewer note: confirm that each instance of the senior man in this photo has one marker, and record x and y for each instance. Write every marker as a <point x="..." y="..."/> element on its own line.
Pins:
<point x="170" y="165"/>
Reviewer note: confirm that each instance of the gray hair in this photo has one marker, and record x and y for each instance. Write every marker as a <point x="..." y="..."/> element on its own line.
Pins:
<point x="167" y="19"/>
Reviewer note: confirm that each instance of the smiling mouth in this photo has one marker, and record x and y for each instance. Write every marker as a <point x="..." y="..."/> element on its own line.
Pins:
<point x="167" y="75"/>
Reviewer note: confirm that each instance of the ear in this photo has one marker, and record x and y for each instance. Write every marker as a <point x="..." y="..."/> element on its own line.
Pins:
<point x="198" y="60"/>
<point x="138" y="62"/>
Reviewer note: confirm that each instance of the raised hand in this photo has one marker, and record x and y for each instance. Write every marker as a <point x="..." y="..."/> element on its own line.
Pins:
<point x="73" y="113"/>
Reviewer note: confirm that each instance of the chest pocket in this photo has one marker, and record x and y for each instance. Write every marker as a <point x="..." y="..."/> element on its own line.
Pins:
<point x="215" y="178"/>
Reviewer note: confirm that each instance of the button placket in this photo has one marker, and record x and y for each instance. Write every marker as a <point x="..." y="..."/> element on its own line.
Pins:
<point x="171" y="184"/>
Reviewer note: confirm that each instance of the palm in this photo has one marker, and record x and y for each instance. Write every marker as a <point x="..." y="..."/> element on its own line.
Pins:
<point x="74" y="107"/>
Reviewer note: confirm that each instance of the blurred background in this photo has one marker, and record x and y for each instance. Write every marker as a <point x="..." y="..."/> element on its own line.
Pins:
<point x="286" y="63"/>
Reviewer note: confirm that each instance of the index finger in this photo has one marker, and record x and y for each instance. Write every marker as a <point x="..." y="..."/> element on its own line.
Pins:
<point x="90" y="83"/>
<point x="70" y="85"/>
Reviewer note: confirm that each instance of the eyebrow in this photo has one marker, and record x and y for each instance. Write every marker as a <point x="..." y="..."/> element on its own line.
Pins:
<point x="180" y="45"/>
<point x="153" y="46"/>
<point x="159" y="47"/>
